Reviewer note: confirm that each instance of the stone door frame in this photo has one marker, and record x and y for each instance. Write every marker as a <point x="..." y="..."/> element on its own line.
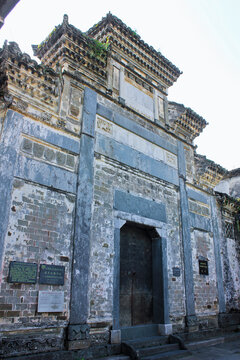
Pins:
<point x="157" y="231"/>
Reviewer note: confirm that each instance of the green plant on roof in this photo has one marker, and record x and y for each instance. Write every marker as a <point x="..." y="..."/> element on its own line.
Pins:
<point x="47" y="38"/>
<point x="133" y="32"/>
<point x="98" y="49"/>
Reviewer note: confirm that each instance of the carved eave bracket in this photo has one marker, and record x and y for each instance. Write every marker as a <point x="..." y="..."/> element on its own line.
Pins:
<point x="125" y="41"/>
<point x="5" y="97"/>
<point x="185" y="122"/>
<point x="68" y="46"/>
<point x="230" y="207"/>
<point x="27" y="85"/>
<point x="207" y="173"/>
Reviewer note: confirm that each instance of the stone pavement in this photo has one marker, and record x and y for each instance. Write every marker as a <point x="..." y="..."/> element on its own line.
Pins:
<point x="224" y="351"/>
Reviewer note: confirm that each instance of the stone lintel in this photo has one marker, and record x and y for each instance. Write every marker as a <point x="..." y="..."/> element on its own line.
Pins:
<point x="118" y="223"/>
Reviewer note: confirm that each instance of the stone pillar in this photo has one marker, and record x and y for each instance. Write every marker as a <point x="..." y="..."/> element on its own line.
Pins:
<point x="121" y="87"/>
<point x="219" y="275"/>
<point x="166" y="110"/>
<point x="116" y="332"/>
<point x="9" y="149"/>
<point x="155" y="106"/>
<point x="78" y="331"/>
<point x="191" y="319"/>
<point x="160" y="284"/>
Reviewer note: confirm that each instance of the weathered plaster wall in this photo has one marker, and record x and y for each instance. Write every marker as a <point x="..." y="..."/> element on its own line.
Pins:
<point x="230" y="259"/>
<point x="38" y="185"/>
<point x="230" y="186"/>
<point x="39" y="231"/>
<point x="120" y="168"/>
<point x="205" y="286"/>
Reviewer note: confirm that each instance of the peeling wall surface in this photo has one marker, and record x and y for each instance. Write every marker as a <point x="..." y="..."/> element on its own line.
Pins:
<point x="89" y="146"/>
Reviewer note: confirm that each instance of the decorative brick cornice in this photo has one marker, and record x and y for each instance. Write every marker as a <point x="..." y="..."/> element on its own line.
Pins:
<point x="185" y="121"/>
<point x="18" y="72"/>
<point x="229" y="203"/>
<point x="123" y="37"/>
<point x="67" y="43"/>
<point x="208" y="173"/>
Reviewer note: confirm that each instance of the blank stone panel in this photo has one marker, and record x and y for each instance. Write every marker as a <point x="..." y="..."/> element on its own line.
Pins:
<point x="75" y="102"/>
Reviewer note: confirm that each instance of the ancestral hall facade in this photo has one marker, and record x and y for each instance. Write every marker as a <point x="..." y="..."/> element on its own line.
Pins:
<point x="110" y="225"/>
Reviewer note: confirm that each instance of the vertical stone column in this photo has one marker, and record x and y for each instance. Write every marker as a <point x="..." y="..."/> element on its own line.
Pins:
<point x="116" y="332"/>
<point x="121" y="87"/>
<point x="9" y="145"/>
<point x="160" y="284"/>
<point x="219" y="275"/>
<point x="155" y="106"/>
<point x="191" y="319"/>
<point x="166" y="110"/>
<point x="78" y="331"/>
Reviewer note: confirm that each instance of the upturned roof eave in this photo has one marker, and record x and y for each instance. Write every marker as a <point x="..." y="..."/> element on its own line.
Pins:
<point x="113" y="20"/>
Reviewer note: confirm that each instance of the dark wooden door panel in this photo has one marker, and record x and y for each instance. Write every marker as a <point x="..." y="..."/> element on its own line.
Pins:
<point x="135" y="276"/>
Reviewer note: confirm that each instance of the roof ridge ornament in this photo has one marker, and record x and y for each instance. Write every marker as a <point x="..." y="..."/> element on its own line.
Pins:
<point x="65" y="19"/>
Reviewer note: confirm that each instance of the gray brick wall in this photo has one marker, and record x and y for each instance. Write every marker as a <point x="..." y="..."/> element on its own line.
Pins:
<point x="110" y="175"/>
<point x="39" y="231"/>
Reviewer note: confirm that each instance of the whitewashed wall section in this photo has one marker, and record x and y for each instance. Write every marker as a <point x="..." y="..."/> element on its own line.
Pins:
<point x="134" y="141"/>
<point x="138" y="98"/>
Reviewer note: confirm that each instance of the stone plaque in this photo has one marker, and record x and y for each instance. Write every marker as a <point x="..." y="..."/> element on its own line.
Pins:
<point x="176" y="271"/>
<point x="21" y="272"/>
<point x="50" y="301"/>
<point x="203" y="267"/>
<point x="51" y="274"/>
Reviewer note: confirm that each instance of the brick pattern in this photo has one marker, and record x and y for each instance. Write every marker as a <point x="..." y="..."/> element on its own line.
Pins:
<point x="229" y="230"/>
<point x="110" y="175"/>
<point x="45" y="152"/>
<point x="205" y="286"/>
<point x="199" y="208"/>
<point x="39" y="231"/>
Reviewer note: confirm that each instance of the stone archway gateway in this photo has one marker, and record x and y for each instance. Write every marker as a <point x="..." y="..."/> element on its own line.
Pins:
<point x="140" y="279"/>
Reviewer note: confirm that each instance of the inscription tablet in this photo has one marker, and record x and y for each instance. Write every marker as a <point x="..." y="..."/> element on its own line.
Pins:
<point x="50" y="301"/>
<point x="51" y="274"/>
<point x="22" y="272"/>
<point x="203" y="267"/>
<point x="176" y="271"/>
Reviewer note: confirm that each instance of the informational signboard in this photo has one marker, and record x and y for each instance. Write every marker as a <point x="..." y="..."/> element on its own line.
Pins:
<point x="176" y="271"/>
<point x="22" y="272"/>
<point x="51" y="274"/>
<point x="50" y="301"/>
<point x="203" y="267"/>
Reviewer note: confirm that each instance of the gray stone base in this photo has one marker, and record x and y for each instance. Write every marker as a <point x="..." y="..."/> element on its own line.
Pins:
<point x="192" y="323"/>
<point x="225" y="320"/>
<point x="78" y="336"/>
<point x="165" y="329"/>
<point x="115" y="336"/>
<point x="32" y="341"/>
<point x="78" y="344"/>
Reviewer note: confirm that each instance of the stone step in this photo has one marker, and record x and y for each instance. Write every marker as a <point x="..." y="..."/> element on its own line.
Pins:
<point x="169" y="355"/>
<point x="114" y="357"/>
<point x="208" y="342"/>
<point x="194" y="345"/>
<point x="157" y="349"/>
<point x="147" y="342"/>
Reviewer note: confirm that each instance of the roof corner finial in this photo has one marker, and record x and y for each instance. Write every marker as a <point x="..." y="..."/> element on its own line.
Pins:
<point x="65" y="19"/>
<point x="5" y="48"/>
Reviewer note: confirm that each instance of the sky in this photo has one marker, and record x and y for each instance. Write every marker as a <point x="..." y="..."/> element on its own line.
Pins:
<point x="200" y="37"/>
